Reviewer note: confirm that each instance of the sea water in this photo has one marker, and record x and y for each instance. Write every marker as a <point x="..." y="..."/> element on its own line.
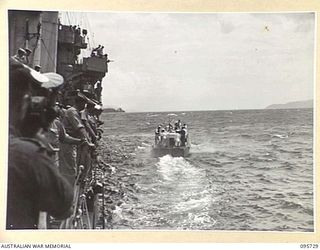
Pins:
<point x="248" y="170"/>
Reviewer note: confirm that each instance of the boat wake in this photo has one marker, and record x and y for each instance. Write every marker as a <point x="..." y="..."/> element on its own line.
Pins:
<point x="172" y="167"/>
<point x="186" y="191"/>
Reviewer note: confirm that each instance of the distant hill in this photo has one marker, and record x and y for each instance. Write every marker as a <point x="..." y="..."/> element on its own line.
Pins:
<point x="109" y="110"/>
<point x="292" y="105"/>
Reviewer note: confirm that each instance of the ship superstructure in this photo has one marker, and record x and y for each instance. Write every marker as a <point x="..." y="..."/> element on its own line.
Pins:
<point x="83" y="74"/>
<point x="57" y="47"/>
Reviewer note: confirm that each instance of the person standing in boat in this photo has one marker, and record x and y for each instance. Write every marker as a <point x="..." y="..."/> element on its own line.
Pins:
<point x="170" y="127"/>
<point x="34" y="184"/>
<point x="157" y="135"/>
<point x="184" y="135"/>
<point x="163" y="137"/>
<point x="177" y="125"/>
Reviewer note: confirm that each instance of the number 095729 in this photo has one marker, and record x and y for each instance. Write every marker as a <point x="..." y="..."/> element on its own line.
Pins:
<point x="309" y="246"/>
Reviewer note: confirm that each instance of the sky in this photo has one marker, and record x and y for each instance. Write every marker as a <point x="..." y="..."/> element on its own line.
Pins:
<point x="205" y="61"/>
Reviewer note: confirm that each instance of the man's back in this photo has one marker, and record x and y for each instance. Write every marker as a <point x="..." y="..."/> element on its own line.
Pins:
<point x="34" y="185"/>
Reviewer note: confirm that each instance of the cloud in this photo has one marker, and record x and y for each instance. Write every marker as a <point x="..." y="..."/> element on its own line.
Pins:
<point x="205" y="61"/>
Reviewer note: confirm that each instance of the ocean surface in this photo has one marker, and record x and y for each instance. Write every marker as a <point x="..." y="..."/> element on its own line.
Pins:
<point x="249" y="170"/>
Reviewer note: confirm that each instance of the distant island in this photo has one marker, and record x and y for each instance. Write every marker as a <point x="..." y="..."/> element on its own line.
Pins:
<point x="110" y="110"/>
<point x="292" y="105"/>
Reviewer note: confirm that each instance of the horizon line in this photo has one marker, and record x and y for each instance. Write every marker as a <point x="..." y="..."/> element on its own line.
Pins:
<point x="266" y="107"/>
<point x="168" y="111"/>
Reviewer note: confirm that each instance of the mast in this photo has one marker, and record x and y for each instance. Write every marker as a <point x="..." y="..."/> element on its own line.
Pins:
<point x="37" y="50"/>
<point x="37" y="31"/>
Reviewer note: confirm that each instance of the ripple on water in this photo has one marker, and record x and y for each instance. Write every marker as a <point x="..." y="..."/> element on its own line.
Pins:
<point x="252" y="174"/>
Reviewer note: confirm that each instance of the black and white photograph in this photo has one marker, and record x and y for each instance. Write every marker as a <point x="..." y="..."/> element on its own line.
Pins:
<point x="161" y="121"/>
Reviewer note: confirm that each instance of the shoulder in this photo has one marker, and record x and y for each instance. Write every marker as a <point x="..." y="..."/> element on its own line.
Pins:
<point x="26" y="145"/>
<point x="71" y="113"/>
<point x="29" y="153"/>
<point x="57" y="122"/>
<point x="70" y="110"/>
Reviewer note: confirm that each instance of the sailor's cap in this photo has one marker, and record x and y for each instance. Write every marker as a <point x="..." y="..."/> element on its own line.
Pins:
<point x="54" y="80"/>
<point x="28" y="51"/>
<point x="18" y="68"/>
<point x="84" y="98"/>
<point x="21" y="50"/>
<point x="92" y="102"/>
<point x="98" y="107"/>
<point x="46" y="80"/>
<point x="79" y="95"/>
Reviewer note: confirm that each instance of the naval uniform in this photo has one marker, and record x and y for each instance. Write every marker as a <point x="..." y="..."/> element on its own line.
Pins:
<point x="68" y="157"/>
<point x="84" y="154"/>
<point x="34" y="185"/>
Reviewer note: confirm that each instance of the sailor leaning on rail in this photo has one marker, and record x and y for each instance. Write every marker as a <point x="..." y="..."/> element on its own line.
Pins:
<point x="34" y="183"/>
<point x="72" y="154"/>
<point x="77" y="159"/>
<point x="85" y="150"/>
<point x="56" y="135"/>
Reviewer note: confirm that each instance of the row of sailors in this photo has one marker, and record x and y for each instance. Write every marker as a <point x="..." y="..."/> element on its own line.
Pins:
<point x="44" y="154"/>
<point x="171" y="135"/>
<point x="22" y="56"/>
<point x="73" y="132"/>
<point x="98" y="52"/>
<point x="70" y="142"/>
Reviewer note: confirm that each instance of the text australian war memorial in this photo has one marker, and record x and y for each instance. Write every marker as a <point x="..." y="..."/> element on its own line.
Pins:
<point x="56" y="179"/>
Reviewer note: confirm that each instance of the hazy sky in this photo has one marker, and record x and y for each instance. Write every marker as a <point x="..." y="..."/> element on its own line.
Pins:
<point x="188" y="61"/>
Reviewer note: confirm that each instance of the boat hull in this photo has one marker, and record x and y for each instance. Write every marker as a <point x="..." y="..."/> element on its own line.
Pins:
<point x="173" y="151"/>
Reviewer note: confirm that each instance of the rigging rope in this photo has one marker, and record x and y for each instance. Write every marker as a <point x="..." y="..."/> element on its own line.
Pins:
<point x="68" y="18"/>
<point x="93" y="45"/>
